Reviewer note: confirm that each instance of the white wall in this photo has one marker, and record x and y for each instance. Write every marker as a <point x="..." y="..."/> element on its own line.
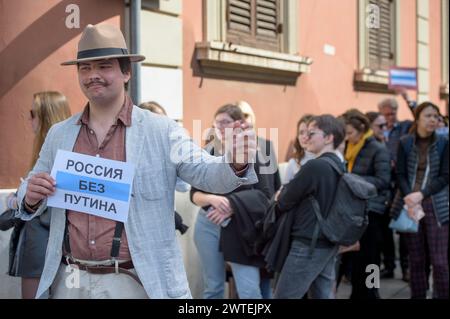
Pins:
<point x="162" y="45"/>
<point x="164" y="86"/>
<point x="9" y="286"/>
<point x="189" y="211"/>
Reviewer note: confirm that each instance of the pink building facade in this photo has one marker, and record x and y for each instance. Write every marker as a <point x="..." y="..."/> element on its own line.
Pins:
<point x="320" y="66"/>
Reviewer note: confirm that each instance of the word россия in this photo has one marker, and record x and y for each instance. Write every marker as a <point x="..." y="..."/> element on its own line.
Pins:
<point x="91" y="169"/>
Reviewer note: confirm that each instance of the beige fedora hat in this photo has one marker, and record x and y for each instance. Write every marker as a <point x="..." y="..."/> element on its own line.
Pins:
<point x="102" y="41"/>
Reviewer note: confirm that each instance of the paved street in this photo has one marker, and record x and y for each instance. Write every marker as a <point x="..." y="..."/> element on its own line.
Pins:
<point x="394" y="288"/>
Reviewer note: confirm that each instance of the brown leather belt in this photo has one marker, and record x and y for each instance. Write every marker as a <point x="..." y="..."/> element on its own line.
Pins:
<point x="103" y="270"/>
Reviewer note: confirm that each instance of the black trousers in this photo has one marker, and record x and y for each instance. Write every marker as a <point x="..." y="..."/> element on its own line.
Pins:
<point x="369" y="253"/>
<point x="404" y="256"/>
<point x="387" y="246"/>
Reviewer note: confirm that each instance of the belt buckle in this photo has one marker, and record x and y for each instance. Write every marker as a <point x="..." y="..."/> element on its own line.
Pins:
<point x="68" y="260"/>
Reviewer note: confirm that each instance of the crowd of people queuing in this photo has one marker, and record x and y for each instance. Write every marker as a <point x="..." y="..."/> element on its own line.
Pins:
<point x="406" y="161"/>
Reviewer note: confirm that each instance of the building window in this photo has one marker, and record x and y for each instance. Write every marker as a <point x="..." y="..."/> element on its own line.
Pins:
<point x="254" y="23"/>
<point x="378" y="43"/>
<point x="251" y="40"/>
<point x="381" y="37"/>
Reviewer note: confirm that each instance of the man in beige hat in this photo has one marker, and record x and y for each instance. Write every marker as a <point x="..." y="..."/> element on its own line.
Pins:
<point x="94" y="257"/>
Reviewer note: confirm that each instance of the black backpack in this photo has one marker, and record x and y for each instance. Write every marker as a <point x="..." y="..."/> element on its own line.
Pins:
<point x="348" y="218"/>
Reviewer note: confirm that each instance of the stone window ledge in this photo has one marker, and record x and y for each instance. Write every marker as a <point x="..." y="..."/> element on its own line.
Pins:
<point x="230" y="60"/>
<point x="372" y="81"/>
<point x="444" y="91"/>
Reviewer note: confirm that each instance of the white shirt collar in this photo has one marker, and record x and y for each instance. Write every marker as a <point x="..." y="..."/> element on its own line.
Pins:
<point x="338" y="154"/>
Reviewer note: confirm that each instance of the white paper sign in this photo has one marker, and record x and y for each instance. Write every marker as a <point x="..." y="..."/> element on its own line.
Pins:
<point x="93" y="185"/>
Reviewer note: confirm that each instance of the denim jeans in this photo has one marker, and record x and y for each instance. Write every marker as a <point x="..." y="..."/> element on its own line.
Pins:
<point x="303" y="272"/>
<point x="266" y="288"/>
<point x="247" y="278"/>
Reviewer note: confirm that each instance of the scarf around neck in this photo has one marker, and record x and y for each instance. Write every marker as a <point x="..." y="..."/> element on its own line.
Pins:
<point x="353" y="150"/>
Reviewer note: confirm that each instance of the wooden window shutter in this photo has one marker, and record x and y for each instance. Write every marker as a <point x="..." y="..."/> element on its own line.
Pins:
<point x="381" y="41"/>
<point x="254" y="23"/>
<point x="240" y="16"/>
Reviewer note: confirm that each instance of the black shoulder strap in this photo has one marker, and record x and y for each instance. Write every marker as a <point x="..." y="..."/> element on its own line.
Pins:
<point x="316" y="210"/>
<point x="115" y="243"/>
<point x="67" y="249"/>
<point x="333" y="165"/>
<point x="116" y="240"/>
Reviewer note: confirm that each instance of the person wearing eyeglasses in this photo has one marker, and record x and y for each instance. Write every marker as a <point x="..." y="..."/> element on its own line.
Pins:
<point x="268" y="166"/>
<point x="221" y="222"/>
<point x="394" y="131"/>
<point x="378" y="125"/>
<point x="266" y="150"/>
<point x="29" y="239"/>
<point x="369" y="159"/>
<point x="305" y="270"/>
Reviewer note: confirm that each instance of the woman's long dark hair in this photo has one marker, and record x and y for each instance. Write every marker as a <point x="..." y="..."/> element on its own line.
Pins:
<point x="419" y="109"/>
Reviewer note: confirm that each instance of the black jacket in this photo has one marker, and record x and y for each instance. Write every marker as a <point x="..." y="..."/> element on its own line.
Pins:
<point x="437" y="182"/>
<point x="373" y="164"/>
<point x="316" y="178"/>
<point x="276" y="250"/>
<point x="28" y="245"/>
<point x="233" y="247"/>
<point x="238" y="239"/>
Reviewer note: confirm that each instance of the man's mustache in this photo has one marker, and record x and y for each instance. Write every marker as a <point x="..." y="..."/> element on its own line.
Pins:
<point x="89" y="84"/>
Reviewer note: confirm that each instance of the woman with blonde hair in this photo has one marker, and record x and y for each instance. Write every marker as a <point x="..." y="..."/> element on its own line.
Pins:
<point x="266" y="150"/>
<point x="29" y="239"/>
<point x="153" y="107"/>
<point x="49" y="107"/>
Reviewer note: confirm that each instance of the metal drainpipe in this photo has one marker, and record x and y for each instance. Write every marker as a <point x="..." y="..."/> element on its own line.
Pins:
<point x="135" y="36"/>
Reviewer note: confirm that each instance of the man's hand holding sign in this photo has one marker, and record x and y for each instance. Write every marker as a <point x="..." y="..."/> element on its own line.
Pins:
<point x="39" y="187"/>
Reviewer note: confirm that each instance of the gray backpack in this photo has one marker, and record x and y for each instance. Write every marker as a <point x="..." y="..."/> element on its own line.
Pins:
<point x="348" y="218"/>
